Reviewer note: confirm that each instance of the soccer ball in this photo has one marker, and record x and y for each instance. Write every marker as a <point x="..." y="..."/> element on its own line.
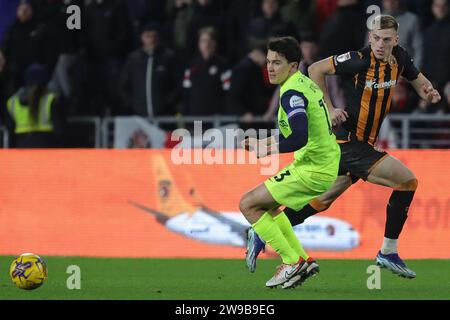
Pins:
<point x="28" y="271"/>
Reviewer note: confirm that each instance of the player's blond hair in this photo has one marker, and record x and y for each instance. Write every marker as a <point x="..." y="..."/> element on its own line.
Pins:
<point x="384" y="21"/>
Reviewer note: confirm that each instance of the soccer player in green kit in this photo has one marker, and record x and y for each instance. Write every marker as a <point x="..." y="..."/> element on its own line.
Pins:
<point x="305" y="129"/>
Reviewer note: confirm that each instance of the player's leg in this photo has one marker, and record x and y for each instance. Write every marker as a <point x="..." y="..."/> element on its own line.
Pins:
<point x="321" y="203"/>
<point x="255" y="244"/>
<point x="255" y="206"/>
<point x="392" y="173"/>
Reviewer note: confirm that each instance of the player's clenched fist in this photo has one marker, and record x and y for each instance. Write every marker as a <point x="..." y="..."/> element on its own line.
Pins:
<point x="433" y="95"/>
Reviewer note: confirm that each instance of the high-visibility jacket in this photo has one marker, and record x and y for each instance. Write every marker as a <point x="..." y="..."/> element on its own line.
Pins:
<point x="22" y="117"/>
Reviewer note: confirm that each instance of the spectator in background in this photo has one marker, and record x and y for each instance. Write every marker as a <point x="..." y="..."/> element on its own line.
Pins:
<point x="143" y="12"/>
<point x="51" y="23"/>
<point x="150" y="83"/>
<point x="270" y="24"/>
<point x="7" y="15"/>
<point x="180" y="14"/>
<point x="206" y="13"/>
<point x="57" y="47"/>
<point x="344" y="30"/>
<point x="302" y="13"/>
<point x="237" y="18"/>
<point x="436" y="64"/>
<point x="34" y="117"/>
<point x="324" y="10"/>
<point x="3" y="88"/>
<point x="309" y="48"/>
<point x="403" y="100"/>
<point x="249" y="94"/>
<point x="422" y="9"/>
<point x="105" y="41"/>
<point x="19" y="44"/>
<point x="206" y="79"/>
<point x="409" y="30"/>
<point x="310" y="53"/>
<point x="445" y="105"/>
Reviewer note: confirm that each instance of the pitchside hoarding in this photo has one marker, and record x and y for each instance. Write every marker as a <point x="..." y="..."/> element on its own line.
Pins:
<point x="139" y="203"/>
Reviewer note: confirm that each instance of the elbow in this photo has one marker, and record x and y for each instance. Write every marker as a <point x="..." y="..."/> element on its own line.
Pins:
<point x="291" y="145"/>
<point x="312" y="68"/>
<point x="316" y="71"/>
<point x="304" y="141"/>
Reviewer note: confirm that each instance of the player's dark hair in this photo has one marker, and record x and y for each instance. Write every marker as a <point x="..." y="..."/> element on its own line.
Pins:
<point x="288" y="47"/>
<point x="384" y="21"/>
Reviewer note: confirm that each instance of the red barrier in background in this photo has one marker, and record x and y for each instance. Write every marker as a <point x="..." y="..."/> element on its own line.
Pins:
<point x="120" y="204"/>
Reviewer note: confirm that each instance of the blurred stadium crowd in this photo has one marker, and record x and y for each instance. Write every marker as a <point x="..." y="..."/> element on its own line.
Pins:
<point x="193" y="57"/>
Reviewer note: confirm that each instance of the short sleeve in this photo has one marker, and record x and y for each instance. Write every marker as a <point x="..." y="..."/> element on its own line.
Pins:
<point x="410" y="71"/>
<point x="349" y="63"/>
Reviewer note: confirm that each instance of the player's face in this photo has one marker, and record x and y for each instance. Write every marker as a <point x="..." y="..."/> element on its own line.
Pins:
<point x="382" y="42"/>
<point x="278" y="67"/>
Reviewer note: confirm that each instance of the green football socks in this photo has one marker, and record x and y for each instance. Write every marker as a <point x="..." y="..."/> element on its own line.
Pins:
<point x="285" y="226"/>
<point x="268" y="230"/>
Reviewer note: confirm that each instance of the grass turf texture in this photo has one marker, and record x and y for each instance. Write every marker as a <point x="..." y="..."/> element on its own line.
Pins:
<point x="184" y="279"/>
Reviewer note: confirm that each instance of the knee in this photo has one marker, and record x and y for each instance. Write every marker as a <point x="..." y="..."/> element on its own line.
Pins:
<point x="246" y="203"/>
<point x="410" y="185"/>
<point x="327" y="203"/>
<point x="321" y="205"/>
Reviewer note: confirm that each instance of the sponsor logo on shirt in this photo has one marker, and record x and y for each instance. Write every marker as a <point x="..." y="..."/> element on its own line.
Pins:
<point x="296" y="102"/>
<point x="372" y="84"/>
<point x="283" y="124"/>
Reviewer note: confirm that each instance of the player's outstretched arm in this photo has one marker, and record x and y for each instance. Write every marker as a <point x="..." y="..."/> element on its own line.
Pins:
<point x="261" y="147"/>
<point x="317" y="72"/>
<point x="425" y="89"/>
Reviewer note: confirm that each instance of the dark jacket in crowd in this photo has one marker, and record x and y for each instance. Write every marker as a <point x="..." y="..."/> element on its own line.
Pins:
<point x="106" y="30"/>
<point x="236" y="23"/>
<point x="261" y="28"/>
<point x="20" y="47"/>
<point x="436" y="44"/>
<point x="53" y="35"/>
<point x="204" y="86"/>
<point x="248" y="91"/>
<point x="344" y="31"/>
<point x="160" y="74"/>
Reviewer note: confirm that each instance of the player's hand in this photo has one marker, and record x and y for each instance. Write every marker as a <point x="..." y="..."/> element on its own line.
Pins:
<point x="338" y="116"/>
<point x="249" y="143"/>
<point x="262" y="150"/>
<point x="432" y="94"/>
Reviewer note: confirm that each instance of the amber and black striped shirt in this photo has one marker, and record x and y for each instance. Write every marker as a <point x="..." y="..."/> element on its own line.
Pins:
<point x="368" y="86"/>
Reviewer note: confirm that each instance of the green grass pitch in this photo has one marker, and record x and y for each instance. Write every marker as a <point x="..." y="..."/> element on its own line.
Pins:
<point x="185" y="279"/>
